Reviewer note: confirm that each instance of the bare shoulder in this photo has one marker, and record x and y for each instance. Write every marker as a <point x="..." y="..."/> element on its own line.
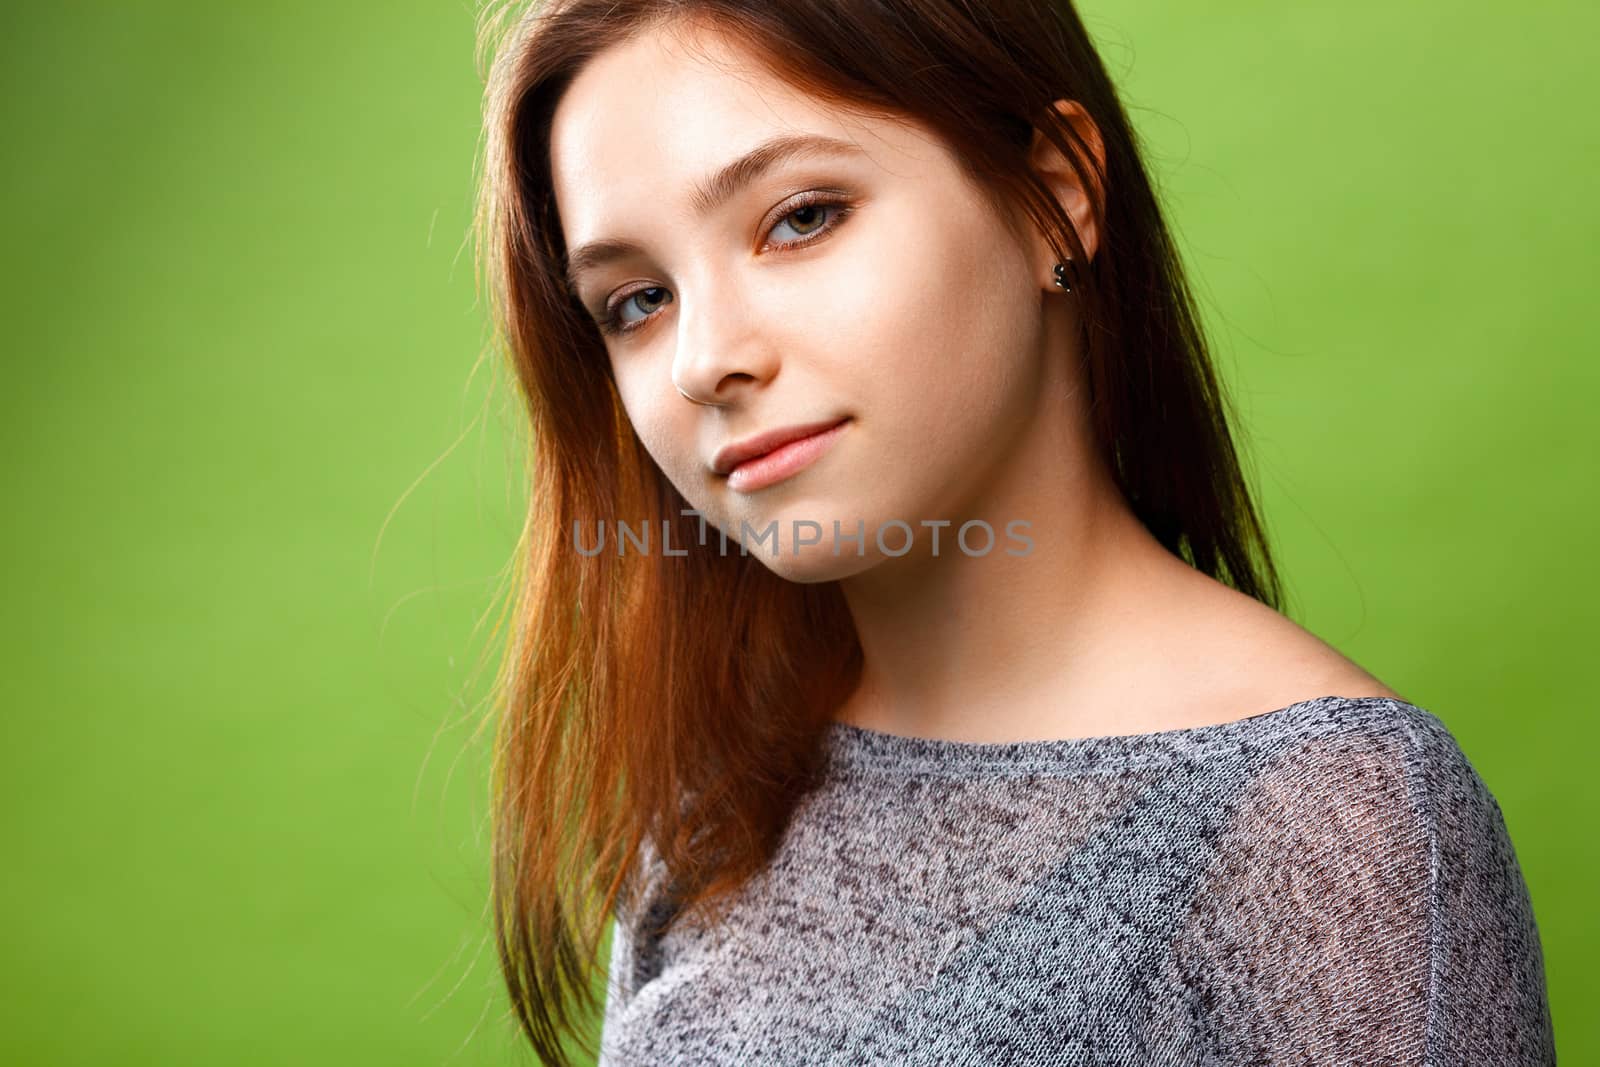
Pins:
<point x="1257" y="659"/>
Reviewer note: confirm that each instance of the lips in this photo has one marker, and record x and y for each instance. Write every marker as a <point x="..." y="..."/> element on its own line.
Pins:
<point x="730" y="456"/>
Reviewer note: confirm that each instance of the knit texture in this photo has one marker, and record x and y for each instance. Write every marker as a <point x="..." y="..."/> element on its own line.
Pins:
<point x="1327" y="883"/>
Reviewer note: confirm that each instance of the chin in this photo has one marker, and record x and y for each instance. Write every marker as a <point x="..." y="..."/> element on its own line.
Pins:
<point x="798" y="542"/>
<point x="816" y="563"/>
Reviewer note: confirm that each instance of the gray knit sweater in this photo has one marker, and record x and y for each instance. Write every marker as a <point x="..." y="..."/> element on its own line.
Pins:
<point x="1328" y="883"/>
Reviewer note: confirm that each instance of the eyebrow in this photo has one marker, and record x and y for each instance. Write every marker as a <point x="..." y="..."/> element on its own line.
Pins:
<point x="718" y="189"/>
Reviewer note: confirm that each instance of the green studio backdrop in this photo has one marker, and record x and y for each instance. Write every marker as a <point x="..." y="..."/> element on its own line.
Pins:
<point x="258" y="504"/>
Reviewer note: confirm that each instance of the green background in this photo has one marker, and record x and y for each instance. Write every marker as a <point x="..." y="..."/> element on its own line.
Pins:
<point x="258" y="502"/>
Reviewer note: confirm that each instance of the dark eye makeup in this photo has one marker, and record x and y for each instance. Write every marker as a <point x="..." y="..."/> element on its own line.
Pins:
<point x="831" y="206"/>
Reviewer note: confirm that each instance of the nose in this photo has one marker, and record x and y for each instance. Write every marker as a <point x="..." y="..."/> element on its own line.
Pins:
<point x="722" y="352"/>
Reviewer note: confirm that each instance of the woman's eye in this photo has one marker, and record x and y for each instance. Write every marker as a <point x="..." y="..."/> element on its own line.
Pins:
<point x="653" y="296"/>
<point x="805" y="220"/>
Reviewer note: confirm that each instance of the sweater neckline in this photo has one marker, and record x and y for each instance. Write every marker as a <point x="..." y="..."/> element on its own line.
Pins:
<point x="861" y="747"/>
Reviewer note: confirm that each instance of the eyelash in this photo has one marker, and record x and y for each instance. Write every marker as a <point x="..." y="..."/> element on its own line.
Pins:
<point x="610" y="322"/>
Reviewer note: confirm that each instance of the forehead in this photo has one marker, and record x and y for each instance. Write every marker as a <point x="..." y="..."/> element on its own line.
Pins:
<point x="649" y="118"/>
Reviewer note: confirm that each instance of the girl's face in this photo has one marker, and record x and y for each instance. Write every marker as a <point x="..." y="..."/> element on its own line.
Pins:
<point x="845" y="273"/>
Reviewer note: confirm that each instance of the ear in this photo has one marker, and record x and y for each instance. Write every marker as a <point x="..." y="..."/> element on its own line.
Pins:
<point x="1057" y="172"/>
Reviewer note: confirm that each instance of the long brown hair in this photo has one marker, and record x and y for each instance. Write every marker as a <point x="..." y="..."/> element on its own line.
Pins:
<point x="675" y="704"/>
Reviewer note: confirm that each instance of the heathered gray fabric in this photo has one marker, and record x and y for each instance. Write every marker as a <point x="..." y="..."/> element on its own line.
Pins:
<point x="1328" y="883"/>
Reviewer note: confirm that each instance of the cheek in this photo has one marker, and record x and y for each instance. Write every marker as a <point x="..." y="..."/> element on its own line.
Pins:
<point x="936" y="330"/>
<point x="667" y="434"/>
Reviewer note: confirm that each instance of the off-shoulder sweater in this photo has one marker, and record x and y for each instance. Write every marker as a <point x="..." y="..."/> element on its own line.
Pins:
<point x="1328" y="883"/>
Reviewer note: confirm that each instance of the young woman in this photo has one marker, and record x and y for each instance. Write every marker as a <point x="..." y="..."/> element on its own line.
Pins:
<point x="898" y="669"/>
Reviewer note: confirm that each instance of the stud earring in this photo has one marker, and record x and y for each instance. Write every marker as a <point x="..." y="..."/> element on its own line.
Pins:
<point x="1061" y="275"/>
